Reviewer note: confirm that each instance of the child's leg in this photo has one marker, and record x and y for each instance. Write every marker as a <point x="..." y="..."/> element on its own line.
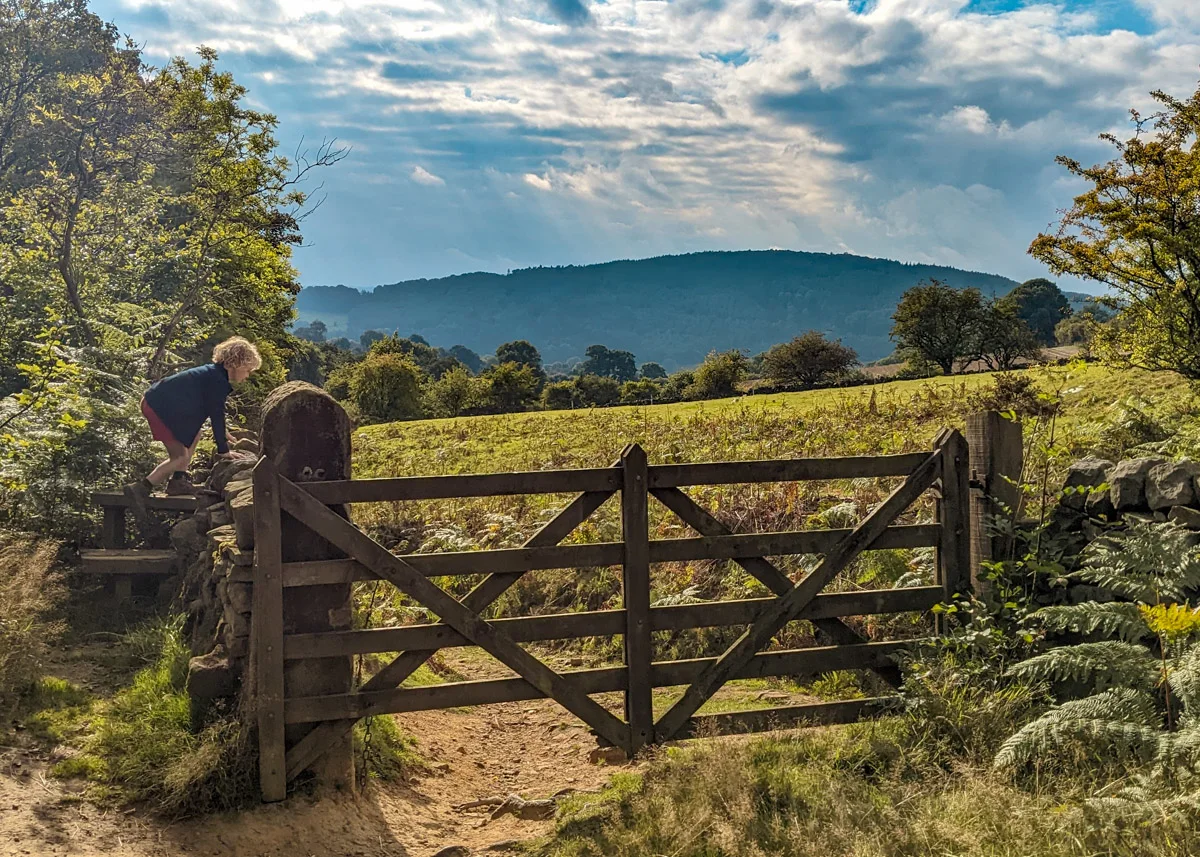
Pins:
<point x="180" y="457"/>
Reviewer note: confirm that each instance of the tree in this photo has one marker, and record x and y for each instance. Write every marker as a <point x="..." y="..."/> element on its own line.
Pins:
<point x="1004" y="338"/>
<point x="560" y="396"/>
<point x="453" y="394"/>
<point x="512" y="387"/>
<point x="369" y="338"/>
<point x="809" y="360"/>
<point x="386" y="387"/>
<point x="643" y="391"/>
<point x="314" y="332"/>
<point x="937" y="323"/>
<point x="522" y="353"/>
<point x="653" y="371"/>
<point x="607" y="363"/>
<point x="1041" y="305"/>
<point x="718" y="376"/>
<point x="598" y="390"/>
<point x="467" y="357"/>
<point x="1137" y="231"/>
<point x="1076" y="330"/>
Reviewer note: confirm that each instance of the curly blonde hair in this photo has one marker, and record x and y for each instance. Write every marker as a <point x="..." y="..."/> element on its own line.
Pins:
<point x="237" y="351"/>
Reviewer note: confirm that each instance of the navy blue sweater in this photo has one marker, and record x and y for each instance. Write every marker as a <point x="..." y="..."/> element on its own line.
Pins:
<point x="185" y="400"/>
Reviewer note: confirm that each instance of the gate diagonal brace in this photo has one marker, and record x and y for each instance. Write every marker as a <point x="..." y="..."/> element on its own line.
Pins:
<point x="458" y="615"/>
<point x="786" y="607"/>
<point x="768" y="574"/>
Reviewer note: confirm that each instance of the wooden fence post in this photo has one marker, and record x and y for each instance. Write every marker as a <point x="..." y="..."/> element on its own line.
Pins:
<point x="639" y="703"/>
<point x="306" y="435"/>
<point x="266" y="633"/>
<point x="996" y="460"/>
<point x="954" y="552"/>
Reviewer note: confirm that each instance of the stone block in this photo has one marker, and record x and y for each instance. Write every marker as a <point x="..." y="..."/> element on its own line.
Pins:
<point x="188" y="537"/>
<point x="1171" y="484"/>
<point x="1127" y="483"/>
<point x="1099" y="505"/>
<point x="1185" y="517"/>
<point x="238" y="623"/>
<point x="1085" y="473"/>
<point x="241" y="510"/>
<point x="239" y="596"/>
<point x="245" y="444"/>
<point x="211" y="676"/>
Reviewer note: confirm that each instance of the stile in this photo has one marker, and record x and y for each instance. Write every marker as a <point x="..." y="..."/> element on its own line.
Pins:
<point x="635" y="530"/>
<point x="266" y="632"/>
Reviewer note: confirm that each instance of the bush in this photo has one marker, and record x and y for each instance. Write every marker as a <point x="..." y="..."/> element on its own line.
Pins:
<point x="387" y="387"/>
<point x="598" y="391"/>
<point x="809" y="360"/>
<point x="29" y="590"/>
<point x="644" y="391"/>
<point x="456" y="393"/>
<point x="718" y="376"/>
<point x="513" y="387"/>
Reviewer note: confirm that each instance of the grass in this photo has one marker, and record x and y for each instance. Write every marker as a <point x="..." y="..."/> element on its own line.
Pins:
<point x="30" y="592"/>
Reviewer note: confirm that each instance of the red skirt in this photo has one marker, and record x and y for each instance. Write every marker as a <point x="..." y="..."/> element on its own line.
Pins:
<point x="158" y="429"/>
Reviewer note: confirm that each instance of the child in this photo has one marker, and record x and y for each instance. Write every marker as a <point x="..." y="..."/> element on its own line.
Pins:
<point x="176" y="408"/>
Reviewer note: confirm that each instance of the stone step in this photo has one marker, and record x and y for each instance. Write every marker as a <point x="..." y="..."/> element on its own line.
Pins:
<point x="128" y="562"/>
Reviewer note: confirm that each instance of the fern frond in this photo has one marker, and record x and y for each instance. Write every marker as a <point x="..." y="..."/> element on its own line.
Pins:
<point x="1183" y="677"/>
<point x="1056" y="732"/>
<point x="1149" y="562"/>
<point x="1107" y="664"/>
<point x="1116" y="618"/>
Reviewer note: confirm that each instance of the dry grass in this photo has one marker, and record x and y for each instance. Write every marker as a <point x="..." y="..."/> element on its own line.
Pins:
<point x="30" y="590"/>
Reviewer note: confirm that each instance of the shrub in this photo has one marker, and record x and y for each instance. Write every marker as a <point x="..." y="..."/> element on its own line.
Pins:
<point x="455" y="393"/>
<point x="809" y="360"/>
<point x="513" y="387"/>
<point x="387" y="387"/>
<point x="718" y="376"/>
<point x="598" y="390"/>
<point x="29" y="590"/>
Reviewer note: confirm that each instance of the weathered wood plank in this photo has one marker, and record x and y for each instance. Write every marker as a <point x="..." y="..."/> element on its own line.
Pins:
<point x="467" y="485"/>
<point x="792" y="716"/>
<point x="405" y="664"/>
<point x="520" y="560"/>
<point x="155" y="502"/>
<point x="127" y="562"/>
<point x="787" y="470"/>
<point x="954" y="552"/>
<point x="112" y="532"/>
<point x="304" y="507"/>
<point x="788" y="606"/>
<point x="606" y="623"/>
<point x="266" y="633"/>
<point x="996" y="457"/>
<point x="602" y="680"/>
<point x="639" y="704"/>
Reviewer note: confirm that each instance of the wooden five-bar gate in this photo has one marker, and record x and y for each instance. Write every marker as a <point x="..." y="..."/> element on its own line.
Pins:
<point x="944" y="468"/>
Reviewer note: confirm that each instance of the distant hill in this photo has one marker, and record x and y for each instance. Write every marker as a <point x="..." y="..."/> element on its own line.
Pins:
<point x="670" y="309"/>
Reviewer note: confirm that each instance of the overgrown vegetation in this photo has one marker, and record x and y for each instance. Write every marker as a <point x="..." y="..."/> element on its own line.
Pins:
<point x="29" y="592"/>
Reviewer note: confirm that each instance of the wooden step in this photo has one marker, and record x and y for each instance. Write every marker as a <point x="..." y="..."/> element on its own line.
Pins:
<point x="128" y="562"/>
<point x="156" y="502"/>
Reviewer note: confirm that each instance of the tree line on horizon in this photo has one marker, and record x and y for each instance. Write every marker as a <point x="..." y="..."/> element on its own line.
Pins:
<point x="938" y="329"/>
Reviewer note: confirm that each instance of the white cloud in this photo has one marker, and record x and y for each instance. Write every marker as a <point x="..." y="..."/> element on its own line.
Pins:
<point x="665" y="127"/>
<point x="422" y="176"/>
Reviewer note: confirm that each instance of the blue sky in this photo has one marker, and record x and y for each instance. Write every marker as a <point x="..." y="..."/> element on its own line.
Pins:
<point x="495" y="134"/>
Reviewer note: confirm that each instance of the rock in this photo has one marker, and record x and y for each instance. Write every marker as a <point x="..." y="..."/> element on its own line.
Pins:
<point x="1185" y="517"/>
<point x="219" y="517"/>
<point x="241" y="510"/>
<point x="230" y="469"/>
<point x="237" y="623"/>
<point x="239" y="596"/>
<point x="245" y="444"/>
<point x="608" y="755"/>
<point x="189" y="537"/>
<point x="1171" y="484"/>
<point x="1085" y="473"/>
<point x="453" y="851"/>
<point x="237" y="486"/>
<point x="526" y="810"/>
<point x="1099" y="505"/>
<point x="1127" y="483"/>
<point x="210" y="676"/>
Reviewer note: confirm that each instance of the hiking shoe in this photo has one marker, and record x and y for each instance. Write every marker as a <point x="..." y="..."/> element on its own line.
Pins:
<point x="138" y="493"/>
<point x="181" y="486"/>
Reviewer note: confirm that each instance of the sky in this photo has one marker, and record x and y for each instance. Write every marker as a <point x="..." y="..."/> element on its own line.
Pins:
<point x="500" y="134"/>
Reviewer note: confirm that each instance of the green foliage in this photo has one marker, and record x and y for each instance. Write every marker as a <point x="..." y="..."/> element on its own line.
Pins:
<point x="809" y="360"/>
<point x="1041" y="305"/>
<point x="456" y="393"/>
<point x="718" y="376"/>
<point x="1136" y="230"/>
<point x="938" y="323"/>
<point x="523" y="355"/>
<point x="653" y="371"/>
<point x="386" y="387"/>
<point x="609" y="363"/>
<point x="1003" y="337"/>
<point x="644" y="391"/>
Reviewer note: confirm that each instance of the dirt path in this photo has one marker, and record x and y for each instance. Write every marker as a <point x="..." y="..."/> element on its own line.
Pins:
<point x="533" y="749"/>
